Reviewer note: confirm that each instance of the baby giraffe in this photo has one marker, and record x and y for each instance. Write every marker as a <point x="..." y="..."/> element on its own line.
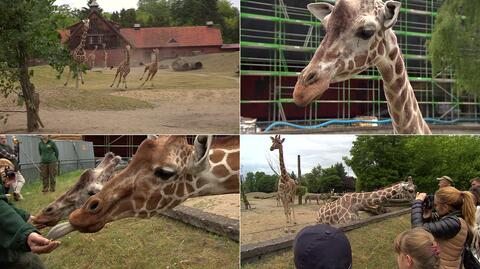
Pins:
<point x="123" y="69"/>
<point x="151" y="68"/>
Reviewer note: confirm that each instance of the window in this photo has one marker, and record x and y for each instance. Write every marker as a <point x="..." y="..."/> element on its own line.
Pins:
<point x="95" y="39"/>
<point x="172" y="40"/>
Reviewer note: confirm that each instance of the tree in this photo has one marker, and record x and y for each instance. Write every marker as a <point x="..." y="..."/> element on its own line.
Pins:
<point x="455" y="42"/>
<point x="85" y="11"/>
<point x="28" y="31"/>
<point x="154" y="13"/>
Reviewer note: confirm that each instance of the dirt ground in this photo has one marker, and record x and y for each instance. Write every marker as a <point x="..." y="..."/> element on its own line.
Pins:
<point x="200" y="101"/>
<point x="227" y="205"/>
<point x="266" y="220"/>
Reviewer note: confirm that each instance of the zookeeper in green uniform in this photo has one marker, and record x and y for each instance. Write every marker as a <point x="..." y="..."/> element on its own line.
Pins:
<point x="19" y="240"/>
<point x="49" y="156"/>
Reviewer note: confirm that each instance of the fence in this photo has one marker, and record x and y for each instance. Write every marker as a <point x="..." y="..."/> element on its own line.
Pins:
<point x="73" y="155"/>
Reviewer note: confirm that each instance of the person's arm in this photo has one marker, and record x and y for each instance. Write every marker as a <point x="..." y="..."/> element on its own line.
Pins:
<point x="56" y="149"/>
<point x="445" y="228"/>
<point x="14" y="231"/>
<point x="7" y="155"/>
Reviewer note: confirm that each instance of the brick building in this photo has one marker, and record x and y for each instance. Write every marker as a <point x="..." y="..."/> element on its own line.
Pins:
<point x="171" y="41"/>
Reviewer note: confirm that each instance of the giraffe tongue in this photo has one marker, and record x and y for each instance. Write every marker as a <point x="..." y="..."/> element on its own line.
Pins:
<point x="60" y="230"/>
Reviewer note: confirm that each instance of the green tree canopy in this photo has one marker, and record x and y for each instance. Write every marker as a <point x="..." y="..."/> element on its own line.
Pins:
<point x="455" y="42"/>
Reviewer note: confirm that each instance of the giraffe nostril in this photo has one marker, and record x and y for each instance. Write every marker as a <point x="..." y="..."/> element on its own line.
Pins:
<point x="311" y="78"/>
<point x="94" y="206"/>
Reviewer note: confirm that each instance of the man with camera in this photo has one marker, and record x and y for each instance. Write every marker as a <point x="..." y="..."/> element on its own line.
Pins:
<point x="20" y="241"/>
<point x="10" y="154"/>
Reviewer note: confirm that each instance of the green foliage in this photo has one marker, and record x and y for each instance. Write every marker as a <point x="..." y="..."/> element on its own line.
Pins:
<point x="301" y="191"/>
<point x="260" y="182"/>
<point x="455" y="42"/>
<point x="378" y="161"/>
<point x="321" y="180"/>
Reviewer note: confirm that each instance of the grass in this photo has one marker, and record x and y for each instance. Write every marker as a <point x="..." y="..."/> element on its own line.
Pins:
<point x="372" y="247"/>
<point x="96" y="95"/>
<point x="158" y="242"/>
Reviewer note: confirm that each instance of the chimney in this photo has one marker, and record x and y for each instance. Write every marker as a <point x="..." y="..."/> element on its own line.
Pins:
<point x="209" y="23"/>
<point x="137" y="26"/>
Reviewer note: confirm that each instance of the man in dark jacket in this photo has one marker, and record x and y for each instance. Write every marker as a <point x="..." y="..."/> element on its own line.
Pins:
<point x="49" y="156"/>
<point x="19" y="240"/>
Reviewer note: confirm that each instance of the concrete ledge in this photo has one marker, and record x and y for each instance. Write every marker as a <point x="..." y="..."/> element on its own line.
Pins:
<point x="206" y="221"/>
<point x="256" y="251"/>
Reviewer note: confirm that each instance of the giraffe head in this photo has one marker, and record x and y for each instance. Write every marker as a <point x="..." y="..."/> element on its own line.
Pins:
<point x="407" y="188"/>
<point x="354" y="40"/>
<point x="277" y="142"/>
<point x="156" y="51"/>
<point x="86" y="24"/>
<point x="163" y="173"/>
<point x="90" y="182"/>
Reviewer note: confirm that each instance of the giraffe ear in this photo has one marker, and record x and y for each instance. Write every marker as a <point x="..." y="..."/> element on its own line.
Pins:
<point x="200" y="153"/>
<point x="320" y="10"/>
<point x="390" y="14"/>
<point x="273" y="139"/>
<point x="283" y="140"/>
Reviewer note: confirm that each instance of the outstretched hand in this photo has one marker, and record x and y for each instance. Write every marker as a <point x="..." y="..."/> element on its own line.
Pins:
<point x="421" y="196"/>
<point x="39" y="244"/>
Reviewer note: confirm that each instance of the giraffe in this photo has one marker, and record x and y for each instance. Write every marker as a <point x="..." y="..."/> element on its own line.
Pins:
<point x="79" y="56"/>
<point x="151" y="68"/>
<point x="90" y="182"/>
<point x="346" y="208"/>
<point x="92" y="56"/>
<point x="123" y="69"/>
<point x="286" y="185"/>
<point x="105" y="56"/>
<point x="164" y="172"/>
<point x="359" y="35"/>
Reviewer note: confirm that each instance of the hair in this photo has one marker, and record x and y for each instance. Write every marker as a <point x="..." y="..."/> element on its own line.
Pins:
<point x="477" y="179"/>
<point x="421" y="246"/>
<point x="460" y="200"/>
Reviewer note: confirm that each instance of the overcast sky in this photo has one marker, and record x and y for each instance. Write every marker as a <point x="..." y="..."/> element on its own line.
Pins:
<point x="325" y="150"/>
<point x="117" y="5"/>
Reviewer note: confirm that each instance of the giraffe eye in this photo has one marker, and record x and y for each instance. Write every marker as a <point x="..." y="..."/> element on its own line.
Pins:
<point x="365" y="34"/>
<point x="164" y="173"/>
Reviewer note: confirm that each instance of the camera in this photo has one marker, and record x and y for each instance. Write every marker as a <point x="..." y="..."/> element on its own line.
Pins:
<point x="9" y="173"/>
<point x="428" y="202"/>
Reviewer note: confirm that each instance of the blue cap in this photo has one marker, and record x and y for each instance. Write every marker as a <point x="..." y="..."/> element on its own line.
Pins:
<point x="322" y="246"/>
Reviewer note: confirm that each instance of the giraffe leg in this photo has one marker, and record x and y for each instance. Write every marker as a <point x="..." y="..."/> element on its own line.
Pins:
<point x="125" y="80"/>
<point x="69" y="75"/>
<point x="81" y="77"/>
<point x="114" y="79"/>
<point x="151" y="78"/>
<point x="145" y="81"/>
<point x="145" y="71"/>
<point x="119" y="79"/>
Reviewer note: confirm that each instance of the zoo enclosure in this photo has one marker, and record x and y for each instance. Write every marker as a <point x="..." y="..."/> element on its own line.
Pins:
<point x="278" y="39"/>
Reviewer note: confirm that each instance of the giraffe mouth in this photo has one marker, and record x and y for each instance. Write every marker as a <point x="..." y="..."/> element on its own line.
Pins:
<point x="42" y="221"/>
<point x="304" y="95"/>
<point x="84" y="222"/>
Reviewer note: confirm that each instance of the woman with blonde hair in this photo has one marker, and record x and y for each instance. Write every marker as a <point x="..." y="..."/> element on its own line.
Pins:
<point x="454" y="228"/>
<point x="417" y="248"/>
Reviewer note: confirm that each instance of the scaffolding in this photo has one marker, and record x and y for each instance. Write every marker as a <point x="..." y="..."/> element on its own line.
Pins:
<point x="278" y="39"/>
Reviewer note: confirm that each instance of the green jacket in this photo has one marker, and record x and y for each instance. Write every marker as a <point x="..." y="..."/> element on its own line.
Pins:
<point x="14" y="230"/>
<point x="48" y="151"/>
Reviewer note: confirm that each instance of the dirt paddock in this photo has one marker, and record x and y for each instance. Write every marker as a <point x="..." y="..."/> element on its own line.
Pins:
<point x="199" y="101"/>
<point x="266" y="220"/>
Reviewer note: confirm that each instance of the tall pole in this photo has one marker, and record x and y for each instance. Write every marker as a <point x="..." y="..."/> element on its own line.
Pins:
<point x="299" y="173"/>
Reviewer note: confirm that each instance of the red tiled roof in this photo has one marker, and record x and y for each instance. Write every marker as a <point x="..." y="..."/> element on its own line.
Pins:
<point x="64" y="35"/>
<point x="189" y="36"/>
<point x="231" y="46"/>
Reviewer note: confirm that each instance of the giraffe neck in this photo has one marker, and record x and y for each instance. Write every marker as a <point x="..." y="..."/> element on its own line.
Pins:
<point x="402" y="103"/>
<point x="379" y="196"/>
<point x="283" y="170"/>
<point x="156" y="57"/>
<point x="83" y="40"/>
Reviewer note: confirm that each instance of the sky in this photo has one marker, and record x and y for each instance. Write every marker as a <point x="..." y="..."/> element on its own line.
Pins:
<point x="116" y="5"/>
<point x="325" y="150"/>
